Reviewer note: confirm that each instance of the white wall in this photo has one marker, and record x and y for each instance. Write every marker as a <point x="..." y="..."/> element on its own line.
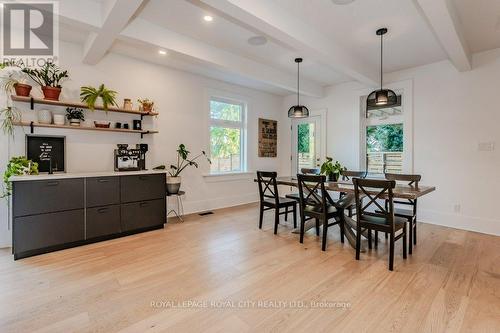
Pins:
<point x="453" y="112"/>
<point x="181" y="101"/>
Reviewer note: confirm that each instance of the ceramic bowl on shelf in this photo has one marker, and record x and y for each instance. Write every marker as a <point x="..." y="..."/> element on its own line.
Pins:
<point x="102" y="124"/>
<point x="45" y="117"/>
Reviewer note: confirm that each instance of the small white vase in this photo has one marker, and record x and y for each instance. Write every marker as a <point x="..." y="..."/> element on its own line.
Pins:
<point x="45" y="117"/>
<point x="74" y="122"/>
<point x="59" y="119"/>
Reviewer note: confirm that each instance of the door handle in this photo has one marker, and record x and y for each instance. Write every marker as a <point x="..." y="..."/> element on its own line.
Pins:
<point x="143" y="178"/>
<point x="52" y="183"/>
<point x="143" y="204"/>
<point x="103" y="180"/>
<point x="102" y="210"/>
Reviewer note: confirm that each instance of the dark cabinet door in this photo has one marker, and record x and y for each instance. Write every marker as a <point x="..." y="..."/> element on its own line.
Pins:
<point x="142" y="188"/>
<point x="40" y="231"/>
<point x="143" y="214"/>
<point x="102" y="191"/>
<point x="46" y="196"/>
<point x="103" y="221"/>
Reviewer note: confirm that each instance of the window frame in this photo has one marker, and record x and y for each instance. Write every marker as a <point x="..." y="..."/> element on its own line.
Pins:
<point x="241" y="125"/>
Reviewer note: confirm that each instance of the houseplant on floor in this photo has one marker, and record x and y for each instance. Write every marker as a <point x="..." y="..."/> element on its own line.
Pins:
<point x="49" y="77"/>
<point x="183" y="161"/>
<point x="89" y="96"/>
<point x="332" y="170"/>
<point x="75" y="116"/>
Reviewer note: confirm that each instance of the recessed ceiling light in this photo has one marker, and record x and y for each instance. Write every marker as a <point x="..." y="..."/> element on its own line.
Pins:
<point x="162" y="52"/>
<point x="342" y="2"/>
<point x="208" y="18"/>
<point x="257" y="40"/>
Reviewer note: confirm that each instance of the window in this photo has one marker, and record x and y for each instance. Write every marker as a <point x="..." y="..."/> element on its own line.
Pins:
<point x="227" y="128"/>
<point x="384" y="138"/>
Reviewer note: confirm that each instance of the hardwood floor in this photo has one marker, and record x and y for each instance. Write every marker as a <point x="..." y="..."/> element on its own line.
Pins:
<point x="451" y="283"/>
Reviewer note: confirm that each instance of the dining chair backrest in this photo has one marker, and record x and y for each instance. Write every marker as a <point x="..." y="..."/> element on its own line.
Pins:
<point x="312" y="191"/>
<point x="268" y="187"/>
<point x="372" y="190"/>
<point x="411" y="179"/>
<point x="310" y="171"/>
<point x="348" y="174"/>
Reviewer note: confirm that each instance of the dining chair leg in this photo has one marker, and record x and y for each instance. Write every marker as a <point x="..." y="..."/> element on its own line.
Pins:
<point x="369" y="239"/>
<point x="386" y="235"/>
<point x="286" y="213"/>
<point x="276" y="220"/>
<point x="261" y="216"/>
<point x="391" y="251"/>
<point x="410" y="248"/>
<point x="317" y="227"/>
<point x="415" y="232"/>
<point x="404" y="241"/>
<point x="325" y="233"/>
<point x="302" y="221"/>
<point x="342" y="226"/>
<point x="295" y="216"/>
<point x="358" y="242"/>
<point x="376" y="239"/>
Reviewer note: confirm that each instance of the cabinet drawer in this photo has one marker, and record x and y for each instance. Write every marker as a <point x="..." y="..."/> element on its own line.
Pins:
<point x="45" y="196"/>
<point x="103" y="191"/>
<point x="103" y="221"/>
<point x="143" y="187"/>
<point x="40" y="231"/>
<point x="143" y="214"/>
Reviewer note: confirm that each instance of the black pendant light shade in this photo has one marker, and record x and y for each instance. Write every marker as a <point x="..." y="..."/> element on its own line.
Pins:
<point x="381" y="97"/>
<point x="298" y="111"/>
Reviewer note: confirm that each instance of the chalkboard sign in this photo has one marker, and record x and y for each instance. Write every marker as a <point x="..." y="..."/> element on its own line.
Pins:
<point x="43" y="149"/>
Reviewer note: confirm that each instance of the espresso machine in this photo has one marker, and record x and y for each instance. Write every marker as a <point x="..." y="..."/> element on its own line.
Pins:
<point x="130" y="159"/>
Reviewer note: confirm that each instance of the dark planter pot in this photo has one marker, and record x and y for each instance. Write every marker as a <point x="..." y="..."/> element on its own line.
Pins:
<point x="22" y="89"/>
<point x="51" y="93"/>
<point x="173" y="185"/>
<point x="333" y="177"/>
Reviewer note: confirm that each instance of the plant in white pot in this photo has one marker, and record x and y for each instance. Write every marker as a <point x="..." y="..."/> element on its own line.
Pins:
<point x="183" y="161"/>
<point x="75" y="116"/>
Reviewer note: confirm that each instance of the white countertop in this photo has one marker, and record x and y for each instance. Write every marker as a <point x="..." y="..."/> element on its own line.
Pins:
<point x="46" y="176"/>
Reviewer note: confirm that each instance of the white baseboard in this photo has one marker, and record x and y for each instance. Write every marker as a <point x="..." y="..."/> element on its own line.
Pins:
<point x="191" y="207"/>
<point x="469" y="223"/>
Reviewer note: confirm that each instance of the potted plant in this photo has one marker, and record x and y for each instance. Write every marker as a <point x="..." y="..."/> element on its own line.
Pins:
<point x="49" y="77"/>
<point x="89" y="96"/>
<point x="9" y="115"/>
<point x="146" y="105"/>
<point x="332" y="170"/>
<point x="17" y="166"/>
<point x="183" y="161"/>
<point x="75" y="116"/>
<point x="16" y="81"/>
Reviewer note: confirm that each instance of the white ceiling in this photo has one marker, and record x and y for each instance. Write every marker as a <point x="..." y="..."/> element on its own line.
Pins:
<point x="338" y="42"/>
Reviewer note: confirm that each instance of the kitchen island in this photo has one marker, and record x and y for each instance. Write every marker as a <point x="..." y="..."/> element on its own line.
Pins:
<point x="58" y="211"/>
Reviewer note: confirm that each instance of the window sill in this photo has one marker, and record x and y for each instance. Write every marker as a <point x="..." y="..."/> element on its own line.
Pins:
<point x="227" y="176"/>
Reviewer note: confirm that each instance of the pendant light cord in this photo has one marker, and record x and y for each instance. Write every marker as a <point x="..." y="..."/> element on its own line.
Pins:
<point x="381" y="61"/>
<point x="298" y="82"/>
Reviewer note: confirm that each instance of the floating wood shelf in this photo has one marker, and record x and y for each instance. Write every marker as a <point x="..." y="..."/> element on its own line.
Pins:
<point x="33" y="100"/>
<point x="85" y="128"/>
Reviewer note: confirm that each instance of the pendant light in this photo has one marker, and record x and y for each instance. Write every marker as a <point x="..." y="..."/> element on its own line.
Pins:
<point x="382" y="97"/>
<point x="298" y="111"/>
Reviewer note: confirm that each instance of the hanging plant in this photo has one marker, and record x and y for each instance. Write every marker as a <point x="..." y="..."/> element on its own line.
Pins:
<point x="9" y="115"/>
<point x="89" y="96"/>
<point x="17" y="166"/>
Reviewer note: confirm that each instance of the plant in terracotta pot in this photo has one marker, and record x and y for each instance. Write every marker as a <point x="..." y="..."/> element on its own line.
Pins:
<point x="75" y="116"/>
<point x="146" y="105"/>
<point x="89" y="96"/>
<point x="183" y="161"/>
<point x="15" y="80"/>
<point x="49" y="77"/>
<point x="332" y="170"/>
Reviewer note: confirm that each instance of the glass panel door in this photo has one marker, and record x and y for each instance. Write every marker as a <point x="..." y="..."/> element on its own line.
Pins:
<point x="306" y="144"/>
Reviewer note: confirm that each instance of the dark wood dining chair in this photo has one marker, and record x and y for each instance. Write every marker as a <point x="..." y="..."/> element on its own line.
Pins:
<point x="348" y="175"/>
<point x="315" y="203"/>
<point x="409" y="214"/>
<point x="270" y="199"/>
<point x="304" y="171"/>
<point x="379" y="219"/>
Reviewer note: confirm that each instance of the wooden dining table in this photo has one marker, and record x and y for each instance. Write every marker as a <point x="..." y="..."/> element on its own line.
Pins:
<point x="401" y="191"/>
